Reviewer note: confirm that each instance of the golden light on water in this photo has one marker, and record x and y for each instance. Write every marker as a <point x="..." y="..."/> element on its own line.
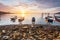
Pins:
<point x="23" y="13"/>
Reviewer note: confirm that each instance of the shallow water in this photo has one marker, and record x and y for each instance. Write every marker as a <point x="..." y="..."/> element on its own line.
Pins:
<point x="5" y="19"/>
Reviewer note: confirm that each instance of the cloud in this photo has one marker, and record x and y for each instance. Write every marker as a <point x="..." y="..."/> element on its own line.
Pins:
<point x="57" y="9"/>
<point x="51" y="3"/>
<point x="51" y="10"/>
<point x="34" y="5"/>
<point x="4" y="7"/>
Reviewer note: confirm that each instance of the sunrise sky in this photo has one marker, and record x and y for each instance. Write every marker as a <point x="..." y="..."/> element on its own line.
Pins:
<point x="30" y="6"/>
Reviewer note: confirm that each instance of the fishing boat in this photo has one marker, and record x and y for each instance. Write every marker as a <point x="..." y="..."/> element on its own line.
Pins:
<point x="49" y="19"/>
<point x="57" y="16"/>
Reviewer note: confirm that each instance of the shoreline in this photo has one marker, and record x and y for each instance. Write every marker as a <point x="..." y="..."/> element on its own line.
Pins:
<point x="30" y="25"/>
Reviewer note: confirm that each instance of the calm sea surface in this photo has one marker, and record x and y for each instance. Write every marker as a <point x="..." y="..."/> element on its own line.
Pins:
<point x="5" y="19"/>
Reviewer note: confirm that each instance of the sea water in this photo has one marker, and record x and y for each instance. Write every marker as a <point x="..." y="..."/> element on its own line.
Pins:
<point x="5" y="19"/>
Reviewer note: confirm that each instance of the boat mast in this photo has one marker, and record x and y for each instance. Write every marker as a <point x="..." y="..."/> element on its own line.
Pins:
<point x="42" y="15"/>
<point x="48" y="14"/>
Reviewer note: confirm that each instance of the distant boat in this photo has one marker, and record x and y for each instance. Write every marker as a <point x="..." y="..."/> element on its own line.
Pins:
<point x="57" y="17"/>
<point x="49" y="19"/>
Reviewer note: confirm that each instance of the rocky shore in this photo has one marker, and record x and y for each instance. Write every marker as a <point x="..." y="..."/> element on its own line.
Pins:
<point x="29" y="32"/>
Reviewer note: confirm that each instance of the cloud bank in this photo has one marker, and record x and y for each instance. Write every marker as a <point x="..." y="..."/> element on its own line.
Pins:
<point x="32" y="5"/>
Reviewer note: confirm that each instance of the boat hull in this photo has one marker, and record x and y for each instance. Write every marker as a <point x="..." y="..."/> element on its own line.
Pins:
<point x="56" y="19"/>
